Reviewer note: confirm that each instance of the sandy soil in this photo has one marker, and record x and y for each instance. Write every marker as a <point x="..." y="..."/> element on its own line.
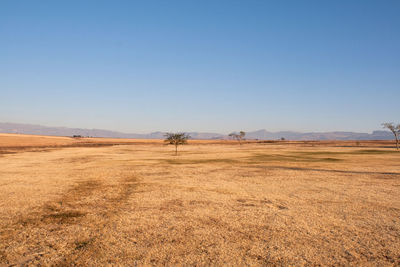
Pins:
<point x="213" y="204"/>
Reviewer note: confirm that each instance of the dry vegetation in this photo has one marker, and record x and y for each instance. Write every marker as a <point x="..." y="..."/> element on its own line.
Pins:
<point x="64" y="202"/>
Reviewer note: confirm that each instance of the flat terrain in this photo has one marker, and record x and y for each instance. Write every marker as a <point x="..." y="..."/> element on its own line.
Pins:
<point x="67" y="201"/>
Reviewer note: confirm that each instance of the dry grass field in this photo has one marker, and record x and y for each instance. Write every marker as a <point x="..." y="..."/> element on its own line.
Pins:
<point x="67" y="201"/>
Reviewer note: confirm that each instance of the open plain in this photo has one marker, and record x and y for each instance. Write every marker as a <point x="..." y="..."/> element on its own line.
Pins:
<point x="67" y="201"/>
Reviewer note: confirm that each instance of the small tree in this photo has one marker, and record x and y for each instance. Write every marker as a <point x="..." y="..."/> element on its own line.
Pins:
<point x="395" y="129"/>
<point x="176" y="139"/>
<point x="238" y="137"/>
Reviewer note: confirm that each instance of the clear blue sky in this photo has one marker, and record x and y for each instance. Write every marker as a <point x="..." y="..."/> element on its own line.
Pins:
<point x="216" y="66"/>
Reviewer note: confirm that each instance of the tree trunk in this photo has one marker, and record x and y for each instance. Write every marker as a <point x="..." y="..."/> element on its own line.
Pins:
<point x="397" y="141"/>
<point x="176" y="150"/>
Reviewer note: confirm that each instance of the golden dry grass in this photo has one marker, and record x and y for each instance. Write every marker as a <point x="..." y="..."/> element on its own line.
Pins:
<point x="290" y="203"/>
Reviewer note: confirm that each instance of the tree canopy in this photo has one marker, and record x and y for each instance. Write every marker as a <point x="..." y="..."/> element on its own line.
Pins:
<point x="176" y="139"/>
<point x="395" y="129"/>
<point x="239" y="136"/>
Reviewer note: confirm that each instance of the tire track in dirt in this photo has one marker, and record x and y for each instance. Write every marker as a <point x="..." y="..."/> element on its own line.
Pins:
<point x="59" y="232"/>
<point x="90" y="247"/>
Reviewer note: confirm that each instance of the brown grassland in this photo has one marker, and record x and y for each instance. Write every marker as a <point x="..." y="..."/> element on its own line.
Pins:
<point x="95" y="201"/>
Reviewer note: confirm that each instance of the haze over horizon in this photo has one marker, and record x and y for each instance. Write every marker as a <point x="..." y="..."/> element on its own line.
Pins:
<point x="260" y="134"/>
<point x="140" y="67"/>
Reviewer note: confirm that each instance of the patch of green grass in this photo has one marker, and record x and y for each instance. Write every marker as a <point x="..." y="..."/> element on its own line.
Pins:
<point x="288" y="158"/>
<point x="65" y="215"/>
<point x="313" y="156"/>
<point x="198" y="161"/>
<point x="62" y="217"/>
<point x="354" y="152"/>
<point x="329" y="159"/>
<point x="373" y="151"/>
<point x="83" y="243"/>
<point x="320" y="153"/>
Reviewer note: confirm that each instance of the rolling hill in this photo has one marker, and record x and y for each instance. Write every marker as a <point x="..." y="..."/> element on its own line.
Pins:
<point x="260" y="134"/>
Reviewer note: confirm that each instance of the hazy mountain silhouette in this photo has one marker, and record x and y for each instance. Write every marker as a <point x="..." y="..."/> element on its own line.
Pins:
<point x="260" y="134"/>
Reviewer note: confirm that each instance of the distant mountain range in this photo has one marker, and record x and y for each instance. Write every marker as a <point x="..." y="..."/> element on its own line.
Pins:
<point x="260" y="134"/>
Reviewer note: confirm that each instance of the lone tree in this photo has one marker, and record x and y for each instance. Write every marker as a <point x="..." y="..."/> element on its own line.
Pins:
<point x="395" y="129"/>
<point x="176" y="139"/>
<point x="238" y="137"/>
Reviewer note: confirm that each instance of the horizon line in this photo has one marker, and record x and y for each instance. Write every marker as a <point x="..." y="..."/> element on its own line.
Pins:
<point x="192" y="131"/>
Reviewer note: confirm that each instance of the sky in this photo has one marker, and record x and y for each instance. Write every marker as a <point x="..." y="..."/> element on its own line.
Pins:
<point x="209" y="66"/>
